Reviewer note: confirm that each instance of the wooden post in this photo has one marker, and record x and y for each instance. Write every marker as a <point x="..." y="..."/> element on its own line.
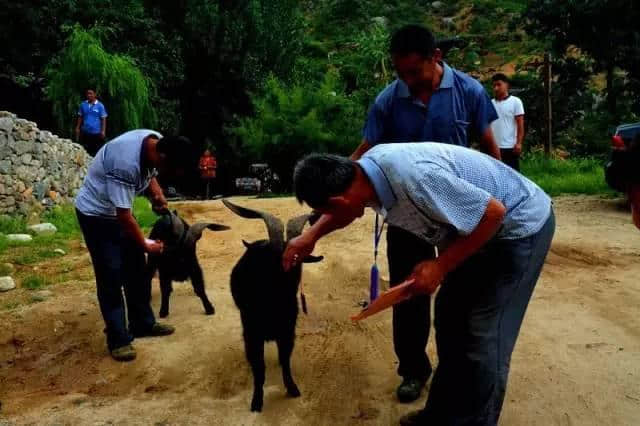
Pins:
<point x="547" y="105"/>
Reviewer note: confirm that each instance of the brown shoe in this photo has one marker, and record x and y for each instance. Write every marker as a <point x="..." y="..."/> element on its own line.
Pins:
<point x="158" y="329"/>
<point x="124" y="353"/>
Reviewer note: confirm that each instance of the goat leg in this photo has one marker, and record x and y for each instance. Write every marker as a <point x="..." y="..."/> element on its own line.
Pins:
<point x="285" y="348"/>
<point x="165" y="288"/>
<point x="197" y="281"/>
<point x="254" y="348"/>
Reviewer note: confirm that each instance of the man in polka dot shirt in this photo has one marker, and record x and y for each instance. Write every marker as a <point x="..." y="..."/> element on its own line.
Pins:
<point x="493" y="227"/>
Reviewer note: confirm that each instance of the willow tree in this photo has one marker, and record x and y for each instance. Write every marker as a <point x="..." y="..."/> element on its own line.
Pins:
<point x="120" y="85"/>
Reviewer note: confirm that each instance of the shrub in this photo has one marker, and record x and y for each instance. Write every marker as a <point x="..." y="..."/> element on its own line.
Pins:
<point x="292" y="121"/>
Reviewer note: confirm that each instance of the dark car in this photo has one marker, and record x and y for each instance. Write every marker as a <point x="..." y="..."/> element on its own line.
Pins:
<point x="620" y="141"/>
<point x="624" y="134"/>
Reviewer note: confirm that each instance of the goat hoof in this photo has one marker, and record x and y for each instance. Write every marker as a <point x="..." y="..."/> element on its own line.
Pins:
<point x="164" y="313"/>
<point x="293" y="391"/>
<point x="209" y="310"/>
<point x="256" y="406"/>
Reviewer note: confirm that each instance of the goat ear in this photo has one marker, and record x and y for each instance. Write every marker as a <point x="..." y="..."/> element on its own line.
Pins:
<point x="246" y="244"/>
<point x="195" y="231"/>
<point x="313" y="259"/>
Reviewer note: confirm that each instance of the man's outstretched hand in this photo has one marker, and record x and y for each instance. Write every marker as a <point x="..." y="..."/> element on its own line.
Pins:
<point x="297" y="249"/>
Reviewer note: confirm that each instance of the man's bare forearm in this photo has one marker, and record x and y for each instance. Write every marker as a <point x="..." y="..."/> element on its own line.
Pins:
<point x="464" y="246"/>
<point x="490" y="147"/>
<point x="360" y="150"/>
<point x="130" y="226"/>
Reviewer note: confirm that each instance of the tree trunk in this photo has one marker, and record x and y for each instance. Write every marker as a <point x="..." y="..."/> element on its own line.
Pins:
<point x="611" y="96"/>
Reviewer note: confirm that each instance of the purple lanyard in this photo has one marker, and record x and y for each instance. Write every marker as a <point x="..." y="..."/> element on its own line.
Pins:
<point x="375" y="274"/>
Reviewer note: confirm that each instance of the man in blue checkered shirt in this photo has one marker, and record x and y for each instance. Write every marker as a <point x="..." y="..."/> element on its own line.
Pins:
<point x="493" y="227"/>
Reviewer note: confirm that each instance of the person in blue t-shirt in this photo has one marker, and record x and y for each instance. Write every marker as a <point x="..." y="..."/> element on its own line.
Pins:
<point x="91" y="126"/>
<point x="429" y="101"/>
<point x="123" y="168"/>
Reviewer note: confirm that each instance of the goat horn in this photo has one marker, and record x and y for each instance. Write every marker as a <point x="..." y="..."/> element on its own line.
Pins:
<point x="275" y="228"/>
<point x="296" y="225"/>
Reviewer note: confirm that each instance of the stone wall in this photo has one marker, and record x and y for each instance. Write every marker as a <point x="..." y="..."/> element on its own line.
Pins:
<point x="37" y="168"/>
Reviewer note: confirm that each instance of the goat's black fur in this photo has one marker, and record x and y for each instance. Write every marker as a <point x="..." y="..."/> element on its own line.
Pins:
<point x="179" y="261"/>
<point x="266" y="296"/>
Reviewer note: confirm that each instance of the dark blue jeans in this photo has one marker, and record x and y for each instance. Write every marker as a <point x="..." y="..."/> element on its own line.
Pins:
<point x="478" y="313"/>
<point x="118" y="263"/>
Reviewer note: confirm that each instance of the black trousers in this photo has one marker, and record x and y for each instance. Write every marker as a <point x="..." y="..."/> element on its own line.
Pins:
<point x="118" y="263"/>
<point x="411" y="319"/>
<point x="510" y="159"/>
<point x="91" y="142"/>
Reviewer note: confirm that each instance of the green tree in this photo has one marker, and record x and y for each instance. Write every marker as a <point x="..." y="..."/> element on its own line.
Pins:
<point x="84" y="63"/>
<point x="606" y="30"/>
<point x="292" y="121"/>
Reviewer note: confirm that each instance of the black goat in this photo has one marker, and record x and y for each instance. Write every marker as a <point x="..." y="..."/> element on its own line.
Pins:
<point x="266" y="296"/>
<point x="179" y="261"/>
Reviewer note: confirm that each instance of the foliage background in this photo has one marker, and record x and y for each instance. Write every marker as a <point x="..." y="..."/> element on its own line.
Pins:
<point x="260" y="80"/>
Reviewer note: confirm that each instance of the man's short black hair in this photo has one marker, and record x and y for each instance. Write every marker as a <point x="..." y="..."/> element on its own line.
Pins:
<point x="93" y="89"/>
<point x="318" y="177"/>
<point x="179" y="151"/>
<point x="500" y="77"/>
<point x="413" y="39"/>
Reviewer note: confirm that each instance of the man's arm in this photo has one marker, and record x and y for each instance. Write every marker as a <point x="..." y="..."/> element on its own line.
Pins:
<point x="132" y="229"/>
<point x="360" y="150"/>
<point x="103" y="127"/>
<point x="429" y="274"/>
<point x="517" y="149"/>
<point x="489" y="145"/>
<point x="156" y="196"/>
<point x="78" y="125"/>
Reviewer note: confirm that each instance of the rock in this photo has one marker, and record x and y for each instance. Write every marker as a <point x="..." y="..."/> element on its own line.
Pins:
<point x="41" y="295"/>
<point x="22" y="147"/>
<point x="437" y="4"/>
<point x="6" y="124"/>
<point x="39" y="190"/>
<point x="5" y="166"/>
<point x="43" y="229"/>
<point x="26" y="159"/>
<point x="6" y="284"/>
<point x="60" y="251"/>
<point x="23" y="238"/>
<point x="7" y="268"/>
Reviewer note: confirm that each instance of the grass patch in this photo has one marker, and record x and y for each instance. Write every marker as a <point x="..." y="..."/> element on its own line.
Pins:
<point x="34" y="282"/>
<point x="570" y="176"/>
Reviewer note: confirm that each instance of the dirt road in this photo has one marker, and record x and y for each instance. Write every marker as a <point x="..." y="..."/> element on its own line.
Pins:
<point x="577" y="361"/>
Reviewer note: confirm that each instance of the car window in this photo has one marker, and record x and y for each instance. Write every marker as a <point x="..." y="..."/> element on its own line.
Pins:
<point x="629" y="133"/>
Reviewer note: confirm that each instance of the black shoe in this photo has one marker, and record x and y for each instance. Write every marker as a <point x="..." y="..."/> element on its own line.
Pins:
<point x="410" y="389"/>
<point x="414" y="418"/>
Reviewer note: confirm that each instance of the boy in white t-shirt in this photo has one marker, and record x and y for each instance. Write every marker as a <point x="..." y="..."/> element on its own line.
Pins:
<point x="508" y="129"/>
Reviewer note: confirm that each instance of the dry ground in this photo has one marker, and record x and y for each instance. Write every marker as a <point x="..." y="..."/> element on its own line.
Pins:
<point x="577" y="361"/>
